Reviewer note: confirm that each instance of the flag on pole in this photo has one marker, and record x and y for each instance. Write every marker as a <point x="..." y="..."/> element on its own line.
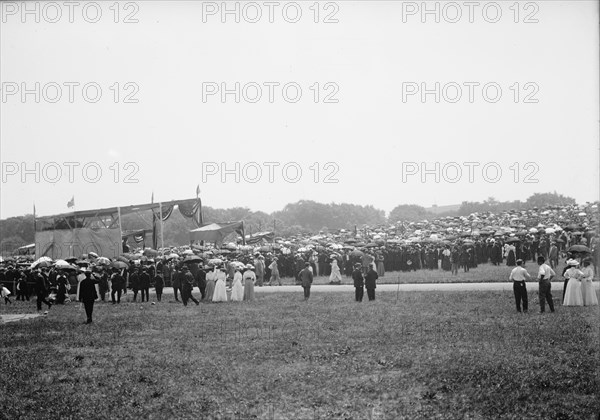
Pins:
<point x="152" y="199"/>
<point x="71" y="202"/>
<point x="197" y="190"/>
<point x="34" y="222"/>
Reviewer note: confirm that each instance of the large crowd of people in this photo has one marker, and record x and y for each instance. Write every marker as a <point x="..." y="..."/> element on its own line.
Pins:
<point x="230" y="272"/>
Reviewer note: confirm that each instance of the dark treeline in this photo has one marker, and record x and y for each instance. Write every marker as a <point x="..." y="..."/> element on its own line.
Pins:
<point x="302" y="217"/>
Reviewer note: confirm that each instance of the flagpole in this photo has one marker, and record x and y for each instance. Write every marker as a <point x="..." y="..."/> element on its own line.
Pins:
<point x="162" y="227"/>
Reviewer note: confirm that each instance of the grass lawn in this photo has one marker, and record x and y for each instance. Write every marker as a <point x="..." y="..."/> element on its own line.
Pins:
<point x="428" y="355"/>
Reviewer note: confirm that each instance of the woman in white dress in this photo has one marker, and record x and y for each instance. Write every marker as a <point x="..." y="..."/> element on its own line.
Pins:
<point x="573" y="295"/>
<point x="220" y="294"/>
<point x="211" y="278"/>
<point x="588" y="292"/>
<point x="249" y="279"/>
<point x="237" y="290"/>
<point x="336" y="276"/>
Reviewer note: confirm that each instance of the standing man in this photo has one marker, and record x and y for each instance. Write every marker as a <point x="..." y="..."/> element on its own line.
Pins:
<point x="201" y="281"/>
<point x="553" y="255"/>
<point x="518" y="276"/>
<point x="117" y="284"/>
<point x="545" y="275"/>
<point x="134" y="282"/>
<point x="359" y="282"/>
<point x="306" y="278"/>
<point x="159" y="283"/>
<point x="145" y="285"/>
<point x="176" y="277"/>
<point x="88" y="294"/>
<point x="370" y="282"/>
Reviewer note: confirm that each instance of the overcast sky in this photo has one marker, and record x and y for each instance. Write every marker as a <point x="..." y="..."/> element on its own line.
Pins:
<point x="370" y="128"/>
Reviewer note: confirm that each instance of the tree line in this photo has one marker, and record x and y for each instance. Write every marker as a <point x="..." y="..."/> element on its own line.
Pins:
<point x="300" y="218"/>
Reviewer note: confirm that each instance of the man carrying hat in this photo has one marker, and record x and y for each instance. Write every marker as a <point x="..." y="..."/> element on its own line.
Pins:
<point x="518" y="276"/>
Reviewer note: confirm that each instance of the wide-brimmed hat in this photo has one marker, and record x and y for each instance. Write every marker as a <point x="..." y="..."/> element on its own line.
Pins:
<point x="572" y="262"/>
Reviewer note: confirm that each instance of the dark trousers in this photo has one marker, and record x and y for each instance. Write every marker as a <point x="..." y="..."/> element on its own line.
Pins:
<point x="371" y="294"/>
<point x="118" y="293"/>
<point x="306" y="292"/>
<point x="565" y="289"/>
<point x="187" y="295"/>
<point x="146" y="293"/>
<point x="89" y="308"/>
<point x="135" y="292"/>
<point x="175" y="290"/>
<point x="520" y="295"/>
<point x="545" y="295"/>
<point x="202" y="292"/>
<point x="159" y="294"/>
<point x="358" y="293"/>
<point x="41" y="298"/>
<point x="7" y="300"/>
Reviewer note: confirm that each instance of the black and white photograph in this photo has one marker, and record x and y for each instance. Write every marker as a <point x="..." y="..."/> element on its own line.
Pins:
<point x="300" y="210"/>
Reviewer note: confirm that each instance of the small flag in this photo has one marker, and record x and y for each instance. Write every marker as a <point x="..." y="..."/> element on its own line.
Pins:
<point x="71" y="202"/>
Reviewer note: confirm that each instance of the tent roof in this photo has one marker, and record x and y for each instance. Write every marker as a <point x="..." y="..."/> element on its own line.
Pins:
<point x="216" y="232"/>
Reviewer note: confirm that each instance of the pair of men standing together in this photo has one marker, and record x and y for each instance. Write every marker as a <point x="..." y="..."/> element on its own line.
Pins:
<point x="369" y="281"/>
<point x="545" y="274"/>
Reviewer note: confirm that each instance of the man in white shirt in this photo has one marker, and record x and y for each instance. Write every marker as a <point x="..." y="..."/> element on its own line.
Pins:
<point x="545" y="275"/>
<point x="518" y="276"/>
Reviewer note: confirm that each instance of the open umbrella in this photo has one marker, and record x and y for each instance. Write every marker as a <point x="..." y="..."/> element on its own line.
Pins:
<point x="356" y="253"/>
<point x="512" y="240"/>
<point x="42" y="262"/>
<point x="103" y="261"/>
<point x="63" y="265"/>
<point x="579" y="248"/>
<point x="192" y="259"/>
<point x="119" y="264"/>
<point x="172" y="255"/>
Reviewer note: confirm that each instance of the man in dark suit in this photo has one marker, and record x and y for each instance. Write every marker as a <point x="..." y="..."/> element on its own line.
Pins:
<point x="88" y="294"/>
<point x="370" y="282"/>
<point x="41" y="290"/>
<point x="145" y="285"/>
<point x="306" y="279"/>
<point x="359" y="282"/>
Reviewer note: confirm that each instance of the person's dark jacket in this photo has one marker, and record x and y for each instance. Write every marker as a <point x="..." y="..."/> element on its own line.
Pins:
<point x="371" y="279"/>
<point x="144" y="280"/>
<point x="87" y="290"/>
<point x="357" y="276"/>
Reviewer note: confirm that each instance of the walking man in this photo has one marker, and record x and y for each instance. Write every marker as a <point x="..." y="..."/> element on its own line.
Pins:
<point x="518" y="276"/>
<point x="545" y="275"/>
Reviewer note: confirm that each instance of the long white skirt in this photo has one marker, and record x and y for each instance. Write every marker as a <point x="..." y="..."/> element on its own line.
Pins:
<point x="588" y="293"/>
<point x="573" y="295"/>
<point x="220" y="294"/>
<point x="237" y="291"/>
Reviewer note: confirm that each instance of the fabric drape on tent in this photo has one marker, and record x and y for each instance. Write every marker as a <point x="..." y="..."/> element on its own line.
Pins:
<point x="192" y="210"/>
<point x="216" y="232"/>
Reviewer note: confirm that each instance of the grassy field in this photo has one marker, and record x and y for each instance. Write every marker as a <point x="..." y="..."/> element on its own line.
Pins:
<point x="428" y="355"/>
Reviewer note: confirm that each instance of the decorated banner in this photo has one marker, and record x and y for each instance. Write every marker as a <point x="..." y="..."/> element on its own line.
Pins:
<point x="62" y="244"/>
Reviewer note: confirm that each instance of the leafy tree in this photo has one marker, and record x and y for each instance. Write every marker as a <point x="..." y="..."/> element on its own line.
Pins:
<point x="408" y="213"/>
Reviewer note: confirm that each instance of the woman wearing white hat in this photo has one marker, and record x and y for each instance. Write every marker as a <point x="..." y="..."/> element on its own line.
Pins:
<point x="220" y="294"/>
<point x="587" y="286"/>
<point x="573" y="296"/>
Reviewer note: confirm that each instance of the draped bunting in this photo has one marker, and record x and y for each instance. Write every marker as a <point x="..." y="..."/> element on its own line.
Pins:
<point x="166" y="212"/>
<point x="192" y="210"/>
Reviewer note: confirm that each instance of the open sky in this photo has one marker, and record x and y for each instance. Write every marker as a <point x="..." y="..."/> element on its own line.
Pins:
<point x="516" y="110"/>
